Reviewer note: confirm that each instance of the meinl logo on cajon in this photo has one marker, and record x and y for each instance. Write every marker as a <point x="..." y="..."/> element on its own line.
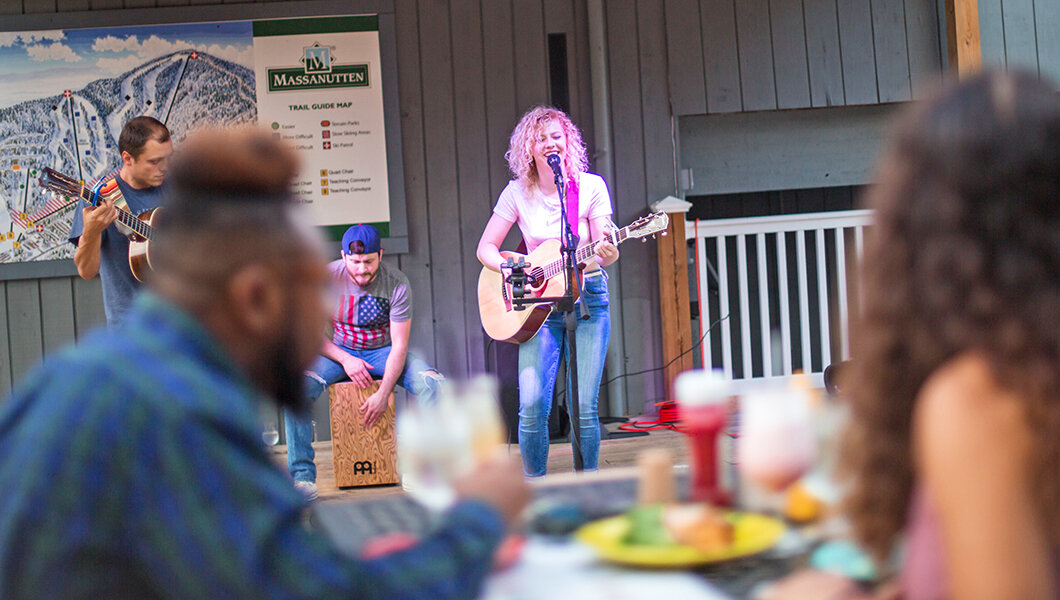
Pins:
<point x="363" y="466"/>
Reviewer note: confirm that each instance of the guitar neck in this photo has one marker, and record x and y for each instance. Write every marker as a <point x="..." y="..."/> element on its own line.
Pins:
<point x="584" y="253"/>
<point x="125" y="217"/>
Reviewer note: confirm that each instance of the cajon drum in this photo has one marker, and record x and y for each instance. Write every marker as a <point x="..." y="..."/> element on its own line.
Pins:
<point x="363" y="456"/>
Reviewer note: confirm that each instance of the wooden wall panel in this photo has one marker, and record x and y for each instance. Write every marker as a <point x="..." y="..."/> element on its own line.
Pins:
<point x="790" y="68"/>
<point x="926" y="65"/>
<point x="71" y="5"/>
<point x="5" y="347"/>
<point x="443" y="206"/>
<point x="581" y="83"/>
<point x="892" y="51"/>
<point x="822" y="53"/>
<point x="658" y="126"/>
<point x="1020" y="48"/>
<point x="474" y="201"/>
<point x="501" y="111"/>
<point x="769" y="54"/>
<point x="688" y="93"/>
<point x="417" y="263"/>
<point x="88" y="305"/>
<point x="991" y="33"/>
<point x="779" y="150"/>
<point x="24" y="326"/>
<point x="757" y="83"/>
<point x="859" y="56"/>
<point x="637" y="281"/>
<point x="531" y="53"/>
<point x="57" y="313"/>
<point x="1047" y="27"/>
<point x="718" y="21"/>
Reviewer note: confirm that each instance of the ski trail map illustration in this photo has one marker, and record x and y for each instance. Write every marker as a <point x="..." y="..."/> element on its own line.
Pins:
<point x="68" y="93"/>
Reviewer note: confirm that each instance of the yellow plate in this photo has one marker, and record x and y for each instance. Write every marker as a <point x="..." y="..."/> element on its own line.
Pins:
<point x="753" y="533"/>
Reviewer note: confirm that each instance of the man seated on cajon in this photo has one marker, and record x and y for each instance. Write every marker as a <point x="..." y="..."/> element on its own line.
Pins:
<point x="371" y="322"/>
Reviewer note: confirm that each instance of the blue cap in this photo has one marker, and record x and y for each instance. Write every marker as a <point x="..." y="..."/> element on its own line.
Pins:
<point x="366" y="234"/>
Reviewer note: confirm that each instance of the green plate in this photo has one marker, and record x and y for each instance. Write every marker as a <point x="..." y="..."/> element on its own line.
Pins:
<point x="752" y="533"/>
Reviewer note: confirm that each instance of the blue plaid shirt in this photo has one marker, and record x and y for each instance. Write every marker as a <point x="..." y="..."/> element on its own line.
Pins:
<point x="132" y="466"/>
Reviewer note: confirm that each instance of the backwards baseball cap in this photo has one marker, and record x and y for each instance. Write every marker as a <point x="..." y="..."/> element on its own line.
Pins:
<point x="366" y="234"/>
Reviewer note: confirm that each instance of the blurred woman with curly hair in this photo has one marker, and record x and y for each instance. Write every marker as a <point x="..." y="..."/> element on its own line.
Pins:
<point x="955" y="387"/>
<point x="532" y="200"/>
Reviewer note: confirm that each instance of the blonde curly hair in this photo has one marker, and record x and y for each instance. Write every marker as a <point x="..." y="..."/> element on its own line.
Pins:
<point x="520" y="154"/>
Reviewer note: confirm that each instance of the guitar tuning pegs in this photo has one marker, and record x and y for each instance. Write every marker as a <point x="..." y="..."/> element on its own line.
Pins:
<point x="664" y="233"/>
<point x="644" y="240"/>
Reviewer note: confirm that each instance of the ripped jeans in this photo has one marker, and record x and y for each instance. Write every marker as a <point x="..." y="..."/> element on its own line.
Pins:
<point x="298" y="427"/>
<point x="539" y="360"/>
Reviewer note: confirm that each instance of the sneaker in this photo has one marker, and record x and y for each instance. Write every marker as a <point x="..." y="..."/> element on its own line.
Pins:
<point x="308" y="489"/>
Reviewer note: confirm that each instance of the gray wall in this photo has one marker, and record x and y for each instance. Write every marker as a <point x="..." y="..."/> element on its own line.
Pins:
<point x="1021" y="33"/>
<point x="40" y="316"/>
<point x="751" y="55"/>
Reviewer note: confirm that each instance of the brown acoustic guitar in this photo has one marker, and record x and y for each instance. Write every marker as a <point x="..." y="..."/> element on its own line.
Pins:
<point x="503" y="322"/>
<point x="138" y="228"/>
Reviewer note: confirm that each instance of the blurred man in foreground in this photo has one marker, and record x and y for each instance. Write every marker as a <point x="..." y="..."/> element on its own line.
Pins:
<point x="133" y="464"/>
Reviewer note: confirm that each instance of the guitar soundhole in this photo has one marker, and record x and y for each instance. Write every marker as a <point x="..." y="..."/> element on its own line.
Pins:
<point x="536" y="277"/>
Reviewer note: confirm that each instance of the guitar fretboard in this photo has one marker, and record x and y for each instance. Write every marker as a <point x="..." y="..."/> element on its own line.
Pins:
<point x="126" y="218"/>
<point x="584" y="253"/>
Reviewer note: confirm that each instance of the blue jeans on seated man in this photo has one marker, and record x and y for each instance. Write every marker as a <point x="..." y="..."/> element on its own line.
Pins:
<point x="298" y="427"/>
<point x="539" y="360"/>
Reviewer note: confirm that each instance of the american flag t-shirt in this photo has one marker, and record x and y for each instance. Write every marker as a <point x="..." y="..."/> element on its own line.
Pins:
<point x="362" y="316"/>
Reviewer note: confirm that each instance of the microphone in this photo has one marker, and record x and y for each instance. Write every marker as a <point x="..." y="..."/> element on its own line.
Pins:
<point x="553" y="161"/>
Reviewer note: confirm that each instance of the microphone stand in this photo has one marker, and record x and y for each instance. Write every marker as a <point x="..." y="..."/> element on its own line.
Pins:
<point x="568" y="249"/>
<point x="565" y="304"/>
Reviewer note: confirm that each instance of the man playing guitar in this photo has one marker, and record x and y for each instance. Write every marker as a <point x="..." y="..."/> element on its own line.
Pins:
<point x="101" y="246"/>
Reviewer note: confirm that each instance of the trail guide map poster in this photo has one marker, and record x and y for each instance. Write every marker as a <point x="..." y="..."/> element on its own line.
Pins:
<point x="314" y="83"/>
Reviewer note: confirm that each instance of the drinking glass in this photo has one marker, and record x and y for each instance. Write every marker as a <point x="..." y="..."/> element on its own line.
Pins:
<point x="777" y="438"/>
<point x="270" y="431"/>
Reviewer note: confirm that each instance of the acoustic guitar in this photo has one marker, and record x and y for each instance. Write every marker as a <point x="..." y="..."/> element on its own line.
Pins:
<point x="138" y="228"/>
<point x="500" y="318"/>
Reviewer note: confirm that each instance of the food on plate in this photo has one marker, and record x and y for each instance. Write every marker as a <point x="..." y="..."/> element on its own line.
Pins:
<point x="701" y="526"/>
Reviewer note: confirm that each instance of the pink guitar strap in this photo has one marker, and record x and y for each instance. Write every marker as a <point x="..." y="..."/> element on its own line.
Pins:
<point x="572" y="204"/>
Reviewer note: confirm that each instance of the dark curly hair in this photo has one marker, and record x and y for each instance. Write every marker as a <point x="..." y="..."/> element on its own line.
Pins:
<point x="964" y="258"/>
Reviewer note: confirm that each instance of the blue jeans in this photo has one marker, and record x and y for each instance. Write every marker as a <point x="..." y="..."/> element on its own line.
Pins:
<point x="299" y="426"/>
<point x="539" y="361"/>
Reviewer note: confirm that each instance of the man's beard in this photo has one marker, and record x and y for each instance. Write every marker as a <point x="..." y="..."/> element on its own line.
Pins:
<point x="288" y="384"/>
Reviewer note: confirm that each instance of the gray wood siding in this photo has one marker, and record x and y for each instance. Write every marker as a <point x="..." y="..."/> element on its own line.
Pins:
<point x="1021" y="34"/>
<point x="782" y="150"/>
<point x="752" y="55"/>
<point x="40" y="316"/>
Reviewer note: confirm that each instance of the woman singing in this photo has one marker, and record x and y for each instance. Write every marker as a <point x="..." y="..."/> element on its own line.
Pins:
<point x="532" y="200"/>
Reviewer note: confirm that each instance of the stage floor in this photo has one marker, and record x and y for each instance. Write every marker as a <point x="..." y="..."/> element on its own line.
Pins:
<point x="620" y="452"/>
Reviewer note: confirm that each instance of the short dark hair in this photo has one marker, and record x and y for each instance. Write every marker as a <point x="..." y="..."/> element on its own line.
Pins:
<point x="137" y="132"/>
<point x="356" y="247"/>
<point x="229" y="203"/>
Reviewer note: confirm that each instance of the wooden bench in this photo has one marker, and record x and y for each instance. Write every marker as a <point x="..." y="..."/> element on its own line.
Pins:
<point x="363" y="456"/>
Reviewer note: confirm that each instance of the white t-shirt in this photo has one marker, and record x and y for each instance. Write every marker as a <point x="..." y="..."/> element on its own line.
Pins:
<point x="538" y="215"/>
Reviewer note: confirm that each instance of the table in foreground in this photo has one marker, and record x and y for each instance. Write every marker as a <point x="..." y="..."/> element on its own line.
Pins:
<point x="554" y="563"/>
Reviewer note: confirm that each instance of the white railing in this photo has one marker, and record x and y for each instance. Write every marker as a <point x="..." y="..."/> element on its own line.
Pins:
<point x="801" y="321"/>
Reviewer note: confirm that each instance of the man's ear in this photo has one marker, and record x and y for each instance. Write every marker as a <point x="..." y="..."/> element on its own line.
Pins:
<point x="256" y="296"/>
<point x="126" y="158"/>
